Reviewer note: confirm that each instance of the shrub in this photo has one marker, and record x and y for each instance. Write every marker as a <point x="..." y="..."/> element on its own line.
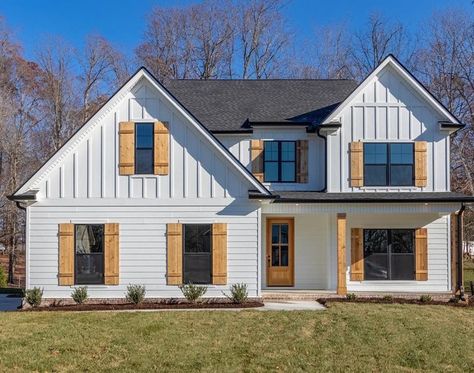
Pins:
<point x="387" y="298"/>
<point x="193" y="292"/>
<point x="238" y="293"/>
<point x="79" y="294"/>
<point x="351" y="296"/>
<point x="135" y="294"/>
<point x="425" y="298"/>
<point x="3" y="278"/>
<point x="33" y="296"/>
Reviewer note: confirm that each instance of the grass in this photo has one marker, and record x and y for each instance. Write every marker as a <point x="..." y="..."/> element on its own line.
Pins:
<point x="356" y="337"/>
<point x="468" y="274"/>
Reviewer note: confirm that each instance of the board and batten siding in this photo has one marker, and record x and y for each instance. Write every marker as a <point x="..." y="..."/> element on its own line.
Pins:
<point x="84" y="187"/>
<point x="239" y="146"/>
<point x="388" y="110"/>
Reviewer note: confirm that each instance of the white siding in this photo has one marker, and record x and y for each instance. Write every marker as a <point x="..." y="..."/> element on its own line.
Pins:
<point x="388" y="110"/>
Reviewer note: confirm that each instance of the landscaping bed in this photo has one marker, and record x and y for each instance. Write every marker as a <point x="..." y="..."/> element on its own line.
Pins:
<point x="398" y="300"/>
<point x="178" y="305"/>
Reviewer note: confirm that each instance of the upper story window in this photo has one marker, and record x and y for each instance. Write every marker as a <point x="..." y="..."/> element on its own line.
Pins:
<point x="89" y="250"/>
<point x="144" y="148"/>
<point x="280" y="161"/>
<point x="388" y="164"/>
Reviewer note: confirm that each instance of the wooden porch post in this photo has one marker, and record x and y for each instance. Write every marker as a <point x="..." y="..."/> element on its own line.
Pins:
<point x="341" y="254"/>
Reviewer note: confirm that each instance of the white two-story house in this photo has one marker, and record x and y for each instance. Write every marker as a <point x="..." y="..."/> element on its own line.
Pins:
<point x="278" y="184"/>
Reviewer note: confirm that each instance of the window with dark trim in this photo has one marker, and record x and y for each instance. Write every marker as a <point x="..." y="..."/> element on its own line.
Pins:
<point x="144" y="148"/>
<point x="197" y="253"/>
<point x="388" y="164"/>
<point x="89" y="254"/>
<point x="279" y="161"/>
<point x="389" y="254"/>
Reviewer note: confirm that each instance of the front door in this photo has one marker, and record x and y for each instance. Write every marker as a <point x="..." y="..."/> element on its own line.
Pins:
<point x="280" y="252"/>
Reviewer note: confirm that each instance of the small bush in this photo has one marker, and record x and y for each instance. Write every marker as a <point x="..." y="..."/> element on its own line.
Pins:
<point x="3" y="278"/>
<point x="387" y="298"/>
<point x="193" y="292"/>
<point x="33" y="296"/>
<point x="351" y="296"/>
<point x="425" y="298"/>
<point x="135" y="293"/>
<point x="79" y="295"/>
<point x="238" y="293"/>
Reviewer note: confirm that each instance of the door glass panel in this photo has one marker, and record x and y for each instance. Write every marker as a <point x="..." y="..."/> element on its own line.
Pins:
<point x="284" y="256"/>
<point x="275" y="256"/>
<point x="275" y="233"/>
<point x="284" y="233"/>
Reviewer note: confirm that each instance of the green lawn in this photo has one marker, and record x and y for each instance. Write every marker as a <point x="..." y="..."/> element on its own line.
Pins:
<point x="354" y="337"/>
<point x="468" y="274"/>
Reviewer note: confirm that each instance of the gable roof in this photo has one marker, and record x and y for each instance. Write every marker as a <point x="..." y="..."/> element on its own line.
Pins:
<point x="237" y="105"/>
<point x="141" y="73"/>
<point x="409" y="78"/>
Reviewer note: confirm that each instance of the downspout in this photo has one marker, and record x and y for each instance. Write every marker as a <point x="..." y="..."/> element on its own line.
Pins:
<point x="318" y="132"/>
<point x="18" y="204"/>
<point x="459" y="283"/>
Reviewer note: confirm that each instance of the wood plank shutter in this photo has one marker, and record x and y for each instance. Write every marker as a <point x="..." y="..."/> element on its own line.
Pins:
<point x="302" y="161"/>
<point x="174" y="238"/>
<point x="111" y="254"/>
<point x="341" y="253"/>
<point x="357" y="163"/>
<point x="421" y="178"/>
<point x="421" y="254"/>
<point x="66" y="254"/>
<point x="256" y="155"/>
<point x="161" y="148"/>
<point x="357" y="254"/>
<point x="127" y="148"/>
<point x="219" y="254"/>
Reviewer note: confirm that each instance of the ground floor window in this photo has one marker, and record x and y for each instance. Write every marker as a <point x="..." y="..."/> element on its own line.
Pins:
<point x="389" y="254"/>
<point x="197" y="257"/>
<point x="89" y="254"/>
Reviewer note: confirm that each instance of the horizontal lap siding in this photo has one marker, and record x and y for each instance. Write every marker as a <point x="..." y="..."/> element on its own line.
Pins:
<point x="143" y="245"/>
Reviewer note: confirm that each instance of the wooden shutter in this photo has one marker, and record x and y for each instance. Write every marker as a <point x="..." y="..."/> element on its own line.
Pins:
<point x="302" y="161"/>
<point x="66" y="254"/>
<point x="421" y="178"/>
<point x="161" y="140"/>
<point x="357" y="254"/>
<point x="127" y="148"/>
<point x="357" y="164"/>
<point x="175" y="253"/>
<point x="111" y="254"/>
<point x="421" y="253"/>
<point x="219" y="254"/>
<point x="256" y="154"/>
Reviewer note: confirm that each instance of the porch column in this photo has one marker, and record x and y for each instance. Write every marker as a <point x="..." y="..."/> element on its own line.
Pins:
<point x="341" y="254"/>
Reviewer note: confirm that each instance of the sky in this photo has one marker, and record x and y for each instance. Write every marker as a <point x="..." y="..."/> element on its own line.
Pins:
<point x="123" y="21"/>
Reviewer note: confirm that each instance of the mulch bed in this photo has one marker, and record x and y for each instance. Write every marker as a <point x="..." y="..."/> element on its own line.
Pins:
<point x="377" y="300"/>
<point x="144" y="306"/>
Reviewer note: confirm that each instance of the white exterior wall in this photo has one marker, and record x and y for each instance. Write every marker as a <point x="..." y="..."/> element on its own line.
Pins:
<point x="239" y="146"/>
<point x="83" y="186"/>
<point x="387" y="110"/>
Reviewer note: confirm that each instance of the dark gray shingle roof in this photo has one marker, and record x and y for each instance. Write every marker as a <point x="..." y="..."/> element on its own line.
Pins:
<point x="225" y="105"/>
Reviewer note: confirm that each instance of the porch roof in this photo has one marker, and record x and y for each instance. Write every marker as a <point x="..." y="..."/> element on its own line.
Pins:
<point x="362" y="197"/>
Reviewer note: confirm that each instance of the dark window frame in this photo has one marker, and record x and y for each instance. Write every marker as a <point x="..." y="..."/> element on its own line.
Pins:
<point x="388" y="164"/>
<point x="147" y="148"/>
<point x="279" y="162"/>
<point x="210" y="254"/>
<point x="390" y="253"/>
<point x="80" y="254"/>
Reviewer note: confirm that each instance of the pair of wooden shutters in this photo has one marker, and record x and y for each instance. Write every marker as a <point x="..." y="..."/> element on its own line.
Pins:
<point x="160" y="148"/>
<point x="357" y="254"/>
<point x="256" y="155"/>
<point x="357" y="164"/>
<point x="67" y="254"/>
<point x="175" y="254"/>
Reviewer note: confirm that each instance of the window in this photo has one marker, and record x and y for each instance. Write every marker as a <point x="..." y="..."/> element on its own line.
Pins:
<point x="389" y="254"/>
<point x="197" y="260"/>
<point x="280" y="161"/>
<point x="388" y="164"/>
<point x="144" y="148"/>
<point x="89" y="254"/>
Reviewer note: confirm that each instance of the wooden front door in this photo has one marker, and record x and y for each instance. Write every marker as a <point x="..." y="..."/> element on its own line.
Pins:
<point x="280" y="252"/>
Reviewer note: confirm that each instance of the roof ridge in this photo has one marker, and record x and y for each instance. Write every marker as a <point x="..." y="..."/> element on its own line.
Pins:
<point x="264" y="80"/>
